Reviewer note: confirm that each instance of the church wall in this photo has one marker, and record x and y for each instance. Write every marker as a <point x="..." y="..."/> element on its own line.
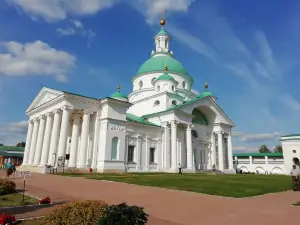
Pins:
<point x="148" y="78"/>
<point x="149" y="106"/>
<point x="113" y="111"/>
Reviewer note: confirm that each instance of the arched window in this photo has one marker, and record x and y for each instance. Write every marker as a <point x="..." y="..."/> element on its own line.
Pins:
<point x="114" y="148"/>
<point x="158" y="88"/>
<point x="173" y="88"/>
<point x="294" y="151"/>
<point x="158" y="43"/>
<point x="183" y="84"/>
<point x="141" y="84"/>
<point x="174" y="102"/>
<point x="152" y="81"/>
<point x="156" y="103"/>
<point x="296" y="161"/>
<point x="166" y="43"/>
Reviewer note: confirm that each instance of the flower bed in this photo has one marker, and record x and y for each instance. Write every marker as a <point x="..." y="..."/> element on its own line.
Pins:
<point x="7" y="219"/>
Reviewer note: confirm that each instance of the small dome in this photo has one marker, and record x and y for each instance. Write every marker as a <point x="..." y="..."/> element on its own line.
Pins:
<point x="162" y="32"/>
<point x="166" y="76"/>
<point x="205" y="93"/>
<point x="119" y="95"/>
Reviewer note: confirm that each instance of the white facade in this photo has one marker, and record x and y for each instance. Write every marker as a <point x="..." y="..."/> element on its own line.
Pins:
<point x="161" y="126"/>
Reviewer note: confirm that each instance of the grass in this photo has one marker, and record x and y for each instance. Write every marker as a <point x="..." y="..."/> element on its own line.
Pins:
<point x="39" y="221"/>
<point x="297" y="204"/>
<point x="224" y="185"/>
<point x="15" y="199"/>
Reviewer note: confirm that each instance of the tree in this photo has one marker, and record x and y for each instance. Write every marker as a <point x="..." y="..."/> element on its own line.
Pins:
<point x="1" y="144"/>
<point x="263" y="149"/>
<point x="278" y="148"/>
<point x="21" y="144"/>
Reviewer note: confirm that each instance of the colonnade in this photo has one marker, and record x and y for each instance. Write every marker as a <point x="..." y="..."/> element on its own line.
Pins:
<point x="171" y="160"/>
<point x="47" y="136"/>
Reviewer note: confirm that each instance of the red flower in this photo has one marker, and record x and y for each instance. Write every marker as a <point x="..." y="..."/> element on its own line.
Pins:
<point x="5" y="219"/>
<point x="46" y="200"/>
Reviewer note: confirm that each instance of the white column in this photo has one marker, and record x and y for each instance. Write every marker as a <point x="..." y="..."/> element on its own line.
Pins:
<point x="33" y="142"/>
<point x="84" y="140"/>
<point x="147" y="154"/>
<point x="174" y="144"/>
<point x="74" y="141"/>
<point x="213" y="149"/>
<point x="54" y="136"/>
<point x="167" y="148"/>
<point x="230" y="156"/>
<point x="189" y="153"/>
<point x="28" y="142"/>
<point x="39" y="143"/>
<point x="95" y="141"/>
<point x="63" y="135"/>
<point x="159" y="155"/>
<point x="138" y="153"/>
<point x="220" y="151"/>
<point x="209" y="155"/>
<point x="47" y="138"/>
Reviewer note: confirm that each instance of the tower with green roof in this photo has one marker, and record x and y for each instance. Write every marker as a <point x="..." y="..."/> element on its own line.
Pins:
<point x="119" y="95"/>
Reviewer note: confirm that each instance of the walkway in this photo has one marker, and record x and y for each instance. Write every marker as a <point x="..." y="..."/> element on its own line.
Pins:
<point x="169" y="207"/>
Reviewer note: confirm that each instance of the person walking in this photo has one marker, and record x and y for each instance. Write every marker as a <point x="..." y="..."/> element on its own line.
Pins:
<point x="9" y="170"/>
<point x="179" y="169"/>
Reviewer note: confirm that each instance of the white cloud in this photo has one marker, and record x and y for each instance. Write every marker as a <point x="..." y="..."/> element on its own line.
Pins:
<point x="54" y="10"/>
<point x="241" y="148"/>
<point x="67" y="31"/>
<point x="13" y="133"/>
<point x="291" y="103"/>
<point x="258" y="137"/>
<point x="36" y="58"/>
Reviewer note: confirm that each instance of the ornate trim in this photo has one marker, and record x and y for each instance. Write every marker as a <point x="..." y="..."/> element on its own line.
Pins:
<point x="116" y="127"/>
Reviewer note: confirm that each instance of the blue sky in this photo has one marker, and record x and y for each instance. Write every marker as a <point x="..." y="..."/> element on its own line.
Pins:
<point x="248" y="51"/>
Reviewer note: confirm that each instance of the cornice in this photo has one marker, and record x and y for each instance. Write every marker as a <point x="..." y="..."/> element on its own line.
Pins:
<point x="47" y="105"/>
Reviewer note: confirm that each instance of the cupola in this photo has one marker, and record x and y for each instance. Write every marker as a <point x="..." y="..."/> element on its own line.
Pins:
<point x="119" y="95"/>
<point x="165" y="82"/>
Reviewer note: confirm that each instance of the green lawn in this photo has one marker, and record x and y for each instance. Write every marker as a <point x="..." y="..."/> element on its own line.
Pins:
<point x="15" y="199"/>
<point x="225" y="185"/>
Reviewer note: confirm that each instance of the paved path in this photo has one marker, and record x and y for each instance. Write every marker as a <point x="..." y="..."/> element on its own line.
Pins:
<point x="169" y="207"/>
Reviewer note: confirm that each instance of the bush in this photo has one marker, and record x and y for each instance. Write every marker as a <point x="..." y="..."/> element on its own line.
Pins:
<point x="123" y="214"/>
<point x="7" y="187"/>
<point x="77" y="213"/>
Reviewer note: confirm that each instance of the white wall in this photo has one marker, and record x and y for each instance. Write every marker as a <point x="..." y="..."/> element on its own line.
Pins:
<point x="291" y="149"/>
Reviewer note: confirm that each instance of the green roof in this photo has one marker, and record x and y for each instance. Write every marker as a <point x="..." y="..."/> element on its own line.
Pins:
<point x="157" y="63"/>
<point x="162" y="32"/>
<point x="12" y="148"/>
<point x="119" y="94"/>
<point x="134" y="118"/>
<point x="166" y="76"/>
<point x="258" y="154"/>
<point x="206" y="93"/>
<point x="11" y="151"/>
<point x="291" y="135"/>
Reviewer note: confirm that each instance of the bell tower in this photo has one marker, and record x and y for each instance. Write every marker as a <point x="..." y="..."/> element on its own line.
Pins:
<point x="162" y="39"/>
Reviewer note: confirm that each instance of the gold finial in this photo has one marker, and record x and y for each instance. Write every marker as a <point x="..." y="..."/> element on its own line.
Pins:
<point x="119" y="87"/>
<point x="163" y="21"/>
<point x="165" y="68"/>
<point x="205" y="85"/>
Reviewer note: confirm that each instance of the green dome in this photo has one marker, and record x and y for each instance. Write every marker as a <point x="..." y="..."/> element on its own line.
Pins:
<point x="118" y="94"/>
<point x="165" y="76"/>
<point x="156" y="63"/>
<point x="205" y="93"/>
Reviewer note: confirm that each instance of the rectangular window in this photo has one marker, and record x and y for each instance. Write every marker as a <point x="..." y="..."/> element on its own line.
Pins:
<point x="152" y="155"/>
<point x="130" y="157"/>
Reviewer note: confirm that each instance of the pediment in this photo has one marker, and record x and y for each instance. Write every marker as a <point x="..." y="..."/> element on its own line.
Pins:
<point x="44" y="96"/>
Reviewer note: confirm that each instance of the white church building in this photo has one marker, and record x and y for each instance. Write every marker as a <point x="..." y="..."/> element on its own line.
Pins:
<point x="160" y="126"/>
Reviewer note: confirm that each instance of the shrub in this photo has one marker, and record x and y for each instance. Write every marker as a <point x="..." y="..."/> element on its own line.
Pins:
<point x="7" y="187"/>
<point x="6" y="219"/>
<point x="77" y="213"/>
<point x="123" y="214"/>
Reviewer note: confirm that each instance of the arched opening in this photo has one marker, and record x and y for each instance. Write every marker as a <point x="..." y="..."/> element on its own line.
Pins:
<point x="194" y="134"/>
<point x="259" y="170"/>
<point x="199" y="117"/>
<point x="296" y="161"/>
<point x="156" y="103"/>
<point x="152" y="81"/>
<point x="277" y="170"/>
<point x="114" y="148"/>
<point x="183" y="84"/>
<point x="174" y="102"/>
<point x="141" y="84"/>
